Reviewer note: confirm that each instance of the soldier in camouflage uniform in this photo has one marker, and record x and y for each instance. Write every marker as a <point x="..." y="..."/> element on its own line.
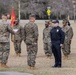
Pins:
<point x="46" y="39"/>
<point x="68" y="38"/>
<point x="18" y="38"/>
<point x="31" y="38"/>
<point x="5" y="30"/>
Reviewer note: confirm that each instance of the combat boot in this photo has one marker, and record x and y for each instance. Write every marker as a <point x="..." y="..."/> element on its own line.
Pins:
<point x="65" y="57"/>
<point x="19" y="55"/>
<point x="29" y="67"/>
<point x="33" y="68"/>
<point x="4" y="66"/>
<point x="16" y="54"/>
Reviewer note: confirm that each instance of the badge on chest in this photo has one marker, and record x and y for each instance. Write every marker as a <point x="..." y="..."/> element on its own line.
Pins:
<point x="57" y="30"/>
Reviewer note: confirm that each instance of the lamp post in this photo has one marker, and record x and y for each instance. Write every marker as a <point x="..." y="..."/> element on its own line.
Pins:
<point x="74" y="7"/>
<point x="19" y="10"/>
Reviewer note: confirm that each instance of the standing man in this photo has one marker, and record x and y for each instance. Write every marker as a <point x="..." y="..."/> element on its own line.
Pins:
<point x="5" y="29"/>
<point x="57" y="38"/>
<point x="17" y="38"/>
<point x="31" y="40"/>
<point x="46" y="39"/>
<point x="68" y="38"/>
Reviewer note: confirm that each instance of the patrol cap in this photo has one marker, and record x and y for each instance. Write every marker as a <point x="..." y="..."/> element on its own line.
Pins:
<point x="32" y="15"/>
<point x="50" y="21"/>
<point x="65" y="20"/>
<point x="46" y="22"/>
<point x="56" y="21"/>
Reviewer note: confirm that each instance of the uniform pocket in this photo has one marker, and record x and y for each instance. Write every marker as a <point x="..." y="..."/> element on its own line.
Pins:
<point x="29" y="41"/>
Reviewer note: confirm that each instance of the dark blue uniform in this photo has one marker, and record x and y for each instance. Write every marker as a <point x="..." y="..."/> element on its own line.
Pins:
<point x="57" y="38"/>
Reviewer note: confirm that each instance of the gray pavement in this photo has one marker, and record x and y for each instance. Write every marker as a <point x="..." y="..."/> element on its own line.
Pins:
<point x="14" y="73"/>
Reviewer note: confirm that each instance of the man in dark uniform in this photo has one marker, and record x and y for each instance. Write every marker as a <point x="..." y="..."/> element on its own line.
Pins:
<point x="57" y="40"/>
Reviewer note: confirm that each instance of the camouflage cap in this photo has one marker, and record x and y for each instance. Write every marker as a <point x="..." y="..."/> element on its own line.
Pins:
<point x="46" y="22"/>
<point x="50" y="21"/>
<point x="65" y="20"/>
<point x="32" y="15"/>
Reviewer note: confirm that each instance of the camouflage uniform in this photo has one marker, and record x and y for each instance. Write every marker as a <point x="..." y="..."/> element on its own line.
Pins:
<point x="68" y="36"/>
<point x="18" y="38"/>
<point x="47" y="41"/>
<point x="5" y="29"/>
<point x="31" y="38"/>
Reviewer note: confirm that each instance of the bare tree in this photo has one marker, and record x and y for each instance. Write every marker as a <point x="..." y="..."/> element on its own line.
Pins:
<point x="38" y="7"/>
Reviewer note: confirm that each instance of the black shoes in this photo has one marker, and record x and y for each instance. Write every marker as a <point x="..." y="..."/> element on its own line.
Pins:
<point x="56" y="66"/>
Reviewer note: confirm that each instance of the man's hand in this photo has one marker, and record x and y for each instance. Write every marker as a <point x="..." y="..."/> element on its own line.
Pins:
<point x="12" y="40"/>
<point x="61" y="45"/>
<point x="69" y="41"/>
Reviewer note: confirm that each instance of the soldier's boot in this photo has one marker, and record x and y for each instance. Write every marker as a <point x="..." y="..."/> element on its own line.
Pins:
<point x="33" y="68"/>
<point x="19" y="54"/>
<point x="4" y="66"/>
<point x="29" y="67"/>
<point x="65" y="57"/>
<point x="16" y="54"/>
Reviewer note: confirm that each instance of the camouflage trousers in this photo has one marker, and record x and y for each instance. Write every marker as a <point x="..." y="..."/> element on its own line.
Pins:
<point x="31" y="54"/>
<point x="17" y="46"/>
<point x="66" y="48"/>
<point x="4" y="52"/>
<point x="47" y="49"/>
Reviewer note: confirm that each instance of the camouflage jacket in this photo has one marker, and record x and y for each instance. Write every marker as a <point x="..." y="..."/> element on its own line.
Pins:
<point x="5" y="30"/>
<point x="19" y="32"/>
<point x="30" y="33"/>
<point x="68" y="32"/>
<point x="46" y="34"/>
